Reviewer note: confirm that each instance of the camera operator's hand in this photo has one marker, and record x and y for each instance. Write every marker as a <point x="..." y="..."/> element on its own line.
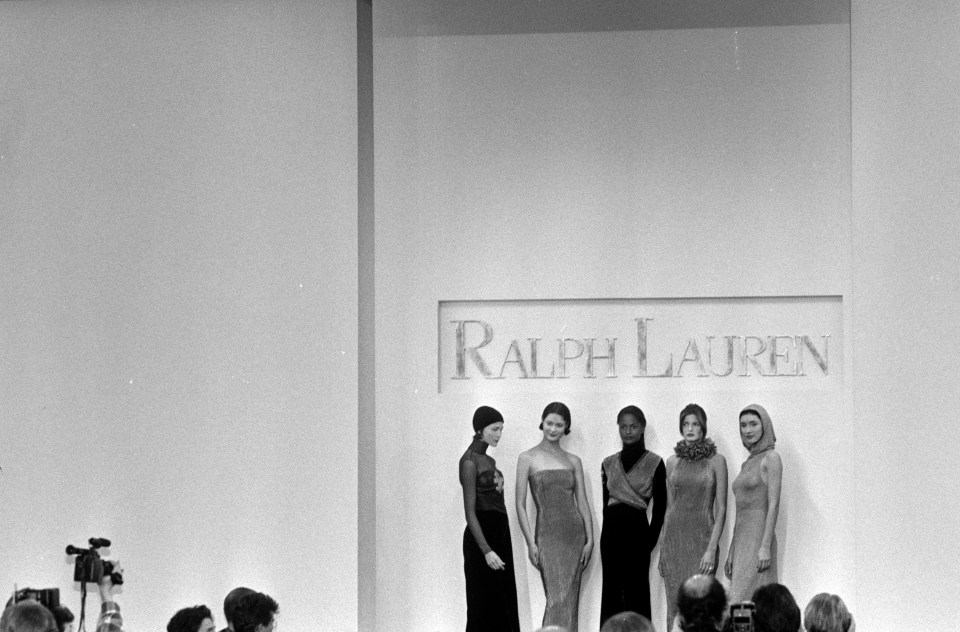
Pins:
<point x="106" y="584"/>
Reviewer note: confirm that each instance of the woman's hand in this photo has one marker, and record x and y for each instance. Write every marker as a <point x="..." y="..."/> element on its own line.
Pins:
<point x="708" y="563"/>
<point x="494" y="561"/>
<point x="533" y="552"/>
<point x="585" y="554"/>
<point x="728" y="567"/>
<point x="763" y="563"/>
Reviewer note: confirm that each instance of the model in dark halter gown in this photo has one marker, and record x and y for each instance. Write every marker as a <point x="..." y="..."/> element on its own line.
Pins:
<point x="632" y="478"/>
<point x="752" y="559"/>
<point x="487" y="548"/>
<point x="696" y="507"/>
<point x="563" y="540"/>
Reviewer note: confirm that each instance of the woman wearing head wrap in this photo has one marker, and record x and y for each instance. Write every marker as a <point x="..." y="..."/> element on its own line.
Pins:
<point x="632" y="479"/>
<point x="752" y="559"/>
<point x="564" y="529"/>
<point x="696" y="506"/>
<point x="487" y="549"/>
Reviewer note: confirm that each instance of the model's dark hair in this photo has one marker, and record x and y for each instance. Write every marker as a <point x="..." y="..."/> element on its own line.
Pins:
<point x="253" y="610"/>
<point x="777" y="610"/>
<point x="702" y="613"/>
<point x="232" y="600"/>
<point x="635" y="411"/>
<point x="558" y="408"/>
<point x="189" y="619"/>
<point x="698" y="412"/>
<point x="27" y="616"/>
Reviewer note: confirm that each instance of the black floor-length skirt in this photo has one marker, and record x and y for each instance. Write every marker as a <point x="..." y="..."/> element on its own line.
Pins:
<point x="491" y="595"/>
<point x="625" y="555"/>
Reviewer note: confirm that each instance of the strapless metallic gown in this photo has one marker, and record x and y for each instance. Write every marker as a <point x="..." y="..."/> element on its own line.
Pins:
<point x="560" y="537"/>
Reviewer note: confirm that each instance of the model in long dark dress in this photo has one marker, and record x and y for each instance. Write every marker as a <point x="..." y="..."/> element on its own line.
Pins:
<point x="487" y="547"/>
<point x="632" y="478"/>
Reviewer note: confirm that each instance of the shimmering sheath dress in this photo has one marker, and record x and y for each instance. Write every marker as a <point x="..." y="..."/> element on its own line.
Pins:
<point x="751" y="494"/>
<point x="560" y="537"/>
<point x="689" y="525"/>
<point x="491" y="594"/>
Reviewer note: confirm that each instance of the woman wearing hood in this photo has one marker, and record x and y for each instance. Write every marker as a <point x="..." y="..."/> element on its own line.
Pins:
<point x="752" y="559"/>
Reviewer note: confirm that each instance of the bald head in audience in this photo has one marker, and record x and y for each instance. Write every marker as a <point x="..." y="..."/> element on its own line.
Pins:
<point x="701" y="603"/>
<point x="627" y="622"/>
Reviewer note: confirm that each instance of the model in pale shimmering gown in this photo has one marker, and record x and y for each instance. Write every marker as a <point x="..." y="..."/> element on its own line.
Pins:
<point x="751" y="494"/>
<point x="689" y="525"/>
<point x="560" y="537"/>
<point x="754" y="498"/>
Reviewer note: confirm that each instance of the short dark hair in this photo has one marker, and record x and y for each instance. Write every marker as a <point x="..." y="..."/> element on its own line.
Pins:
<point x="777" y="610"/>
<point x="232" y="600"/>
<point x="698" y="412"/>
<point x="558" y="408"/>
<point x="635" y="411"/>
<point x="62" y="615"/>
<point x="701" y="609"/>
<point x="253" y="610"/>
<point x="27" y="616"/>
<point x="189" y="619"/>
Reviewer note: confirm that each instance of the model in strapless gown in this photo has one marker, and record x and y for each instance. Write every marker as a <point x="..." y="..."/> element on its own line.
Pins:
<point x="560" y="537"/>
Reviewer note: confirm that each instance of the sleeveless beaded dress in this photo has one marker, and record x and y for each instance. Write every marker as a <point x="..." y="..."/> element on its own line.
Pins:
<point x="689" y="524"/>
<point x="751" y="494"/>
<point x="560" y="537"/>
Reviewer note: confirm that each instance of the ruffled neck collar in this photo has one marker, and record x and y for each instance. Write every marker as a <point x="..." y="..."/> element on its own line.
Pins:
<point x="703" y="449"/>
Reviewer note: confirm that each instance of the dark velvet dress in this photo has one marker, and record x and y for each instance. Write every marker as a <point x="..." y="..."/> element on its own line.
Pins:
<point x="491" y="594"/>
<point x="631" y="479"/>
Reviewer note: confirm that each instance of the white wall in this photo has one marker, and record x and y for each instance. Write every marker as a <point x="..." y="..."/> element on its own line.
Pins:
<point x="178" y="201"/>
<point x="674" y="163"/>
<point x="906" y="240"/>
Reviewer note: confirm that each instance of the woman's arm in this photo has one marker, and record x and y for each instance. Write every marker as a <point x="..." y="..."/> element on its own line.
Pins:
<point x="671" y="465"/>
<point x="523" y="473"/>
<point x="581" y="493"/>
<point x="771" y="471"/>
<point x="659" y="503"/>
<point x="719" y="465"/>
<point x="468" y="480"/>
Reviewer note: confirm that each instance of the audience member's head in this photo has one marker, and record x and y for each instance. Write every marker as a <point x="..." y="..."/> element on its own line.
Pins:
<point x="27" y="616"/>
<point x="701" y="602"/>
<point x="63" y="617"/>
<point x="195" y="619"/>
<point x="232" y="600"/>
<point x="552" y="628"/>
<point x="777" y="610"/>
<point x="827" y="613"/>
<point x="627" y="622"/>
<point x="255" y="612"/>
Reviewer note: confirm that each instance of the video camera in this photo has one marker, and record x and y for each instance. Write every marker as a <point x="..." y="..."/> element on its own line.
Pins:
<point x="742" y="616"/>
<point x="90" y="567"/>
